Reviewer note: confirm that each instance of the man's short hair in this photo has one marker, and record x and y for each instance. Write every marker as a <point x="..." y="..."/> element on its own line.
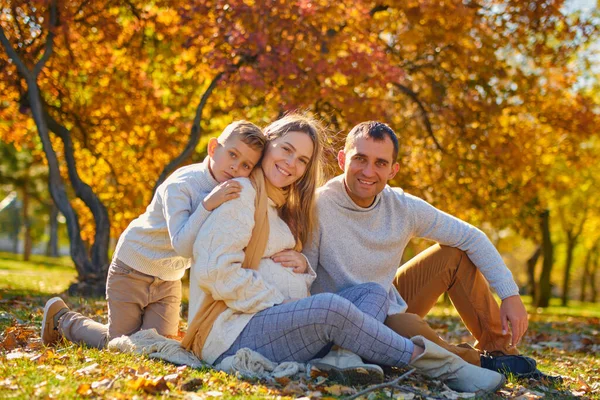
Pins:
<point x="377" y="131"/>
<point x="247" y="132"/>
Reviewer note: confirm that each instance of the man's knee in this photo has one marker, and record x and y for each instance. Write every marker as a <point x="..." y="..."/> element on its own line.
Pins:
<point x="453" y="254"/>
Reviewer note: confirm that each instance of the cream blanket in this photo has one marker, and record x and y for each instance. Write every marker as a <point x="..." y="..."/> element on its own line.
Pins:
<point x="245" y="362"/>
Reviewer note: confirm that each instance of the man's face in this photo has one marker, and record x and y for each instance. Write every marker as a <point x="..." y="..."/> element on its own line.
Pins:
<point x="367" y="165"/>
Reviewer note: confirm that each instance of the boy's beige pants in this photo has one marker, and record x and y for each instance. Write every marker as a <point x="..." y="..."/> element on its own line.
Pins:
<point x="441" y="269"/>
<point x="136" y="301"/>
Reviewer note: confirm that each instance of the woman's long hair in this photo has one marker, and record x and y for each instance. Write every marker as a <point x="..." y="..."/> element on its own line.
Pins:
<point x="299" y="211"/>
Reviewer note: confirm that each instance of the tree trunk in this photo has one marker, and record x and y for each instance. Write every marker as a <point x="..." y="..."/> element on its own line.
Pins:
<point x="586" y="274"/>
<point x="545" y="289"/>
<point x="594" y="278"/>
<point x="99" y="249"/>
<point x="52" y="246"/>
<point x="531" y="263"/>
<point x="571" y="243"/>
<point x="26" y="225"/>
<point x="91" y="279"/>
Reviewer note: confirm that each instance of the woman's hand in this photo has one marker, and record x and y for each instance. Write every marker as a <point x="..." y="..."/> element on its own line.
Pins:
<point x="291" y="259"/>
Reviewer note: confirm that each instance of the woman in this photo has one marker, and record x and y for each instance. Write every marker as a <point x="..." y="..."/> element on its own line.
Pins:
<point x="240" y="297"/>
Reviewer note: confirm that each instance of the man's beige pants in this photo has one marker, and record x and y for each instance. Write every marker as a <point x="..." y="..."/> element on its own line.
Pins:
<point x="136" y="301"/>
<point x="441" y="269"/>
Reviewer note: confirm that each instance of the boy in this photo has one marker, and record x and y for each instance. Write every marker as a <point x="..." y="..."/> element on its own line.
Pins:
<point x="143" y="287"/>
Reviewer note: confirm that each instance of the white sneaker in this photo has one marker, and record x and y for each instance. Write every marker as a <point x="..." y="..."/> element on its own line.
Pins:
<point x="347" y="368"/>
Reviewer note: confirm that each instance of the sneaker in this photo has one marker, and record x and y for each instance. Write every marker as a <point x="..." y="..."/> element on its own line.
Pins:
<point x="347" y="368"/>
<point x="508" y="364"/>
<point x="542" y="377"/>
<point x="54" y="309"/>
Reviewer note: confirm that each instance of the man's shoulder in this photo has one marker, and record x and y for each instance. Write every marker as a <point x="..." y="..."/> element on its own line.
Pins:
<point x="397" y="195"/>
<point x="330" y="189"/>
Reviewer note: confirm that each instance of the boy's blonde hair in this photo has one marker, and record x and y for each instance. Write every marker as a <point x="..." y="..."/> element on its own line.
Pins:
<point x="247" y="132"/>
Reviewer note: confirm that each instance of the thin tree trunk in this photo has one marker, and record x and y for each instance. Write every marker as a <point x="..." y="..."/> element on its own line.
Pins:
<point x="594" y="278"/>
<point x="99" y="249"/>
<point x="86" y="270"/>
<point x="52" y="246"/>
<point x="571" y="243"/>
<point x="543" y="299"/>
<point x="586" y="274"/>
<point x="194" y="134"/>
<point x="26" y="225"/>
<point x="531" y="263"/>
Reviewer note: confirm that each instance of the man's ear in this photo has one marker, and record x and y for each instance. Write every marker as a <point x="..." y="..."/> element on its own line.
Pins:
<point x="341" y="158"/>
<point x="395" y="169"/>
<point x="213" y="143"/>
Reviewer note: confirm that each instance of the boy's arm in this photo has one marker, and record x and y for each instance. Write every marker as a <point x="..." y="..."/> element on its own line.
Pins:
<point x="183" y="223"/>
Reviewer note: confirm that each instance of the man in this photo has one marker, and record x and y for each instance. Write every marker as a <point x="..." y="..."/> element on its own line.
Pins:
<point x="364" y="227"/>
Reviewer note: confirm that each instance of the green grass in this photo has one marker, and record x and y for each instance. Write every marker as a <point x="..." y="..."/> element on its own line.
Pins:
<point x="39" y="276"/>
<point x="563" y="340"/>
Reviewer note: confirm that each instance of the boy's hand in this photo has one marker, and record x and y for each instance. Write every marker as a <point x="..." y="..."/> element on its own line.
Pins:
<point x="225" y="191"/>
<point x="291" y="259"/>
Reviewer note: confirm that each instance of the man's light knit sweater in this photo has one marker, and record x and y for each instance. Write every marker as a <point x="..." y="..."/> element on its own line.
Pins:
<point x="354" y="245"/>
<point x="217" y="269"/>
<point x="160" y="241"/>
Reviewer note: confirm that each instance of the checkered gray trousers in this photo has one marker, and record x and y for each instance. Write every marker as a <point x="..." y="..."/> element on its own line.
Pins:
<point x="352" y="319"/>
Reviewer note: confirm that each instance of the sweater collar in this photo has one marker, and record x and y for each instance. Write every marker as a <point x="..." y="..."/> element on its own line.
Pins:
<point x="343" y="199"/>
<point x="208" y="177"/>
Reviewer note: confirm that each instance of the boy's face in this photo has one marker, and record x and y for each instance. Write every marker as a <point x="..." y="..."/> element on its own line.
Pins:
<point x="232" y="159"/>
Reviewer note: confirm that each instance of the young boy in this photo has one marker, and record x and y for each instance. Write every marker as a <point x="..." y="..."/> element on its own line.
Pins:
<point x="143" y="287"/>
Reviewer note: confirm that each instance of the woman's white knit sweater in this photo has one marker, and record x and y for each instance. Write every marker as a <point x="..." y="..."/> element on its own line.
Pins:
<point x="217" y="269"/>
<point x="159" y="242"/>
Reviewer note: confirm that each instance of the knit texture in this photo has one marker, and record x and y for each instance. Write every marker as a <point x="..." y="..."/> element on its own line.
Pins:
<point x="160" y="241"/>
<point x="218" y="256"/>
<point x="353" y="245"/>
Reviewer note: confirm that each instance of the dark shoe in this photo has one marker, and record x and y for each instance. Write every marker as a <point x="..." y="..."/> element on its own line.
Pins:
<point x="540" y="376"/>
<point x="508" y="364"/>
<point x="54" y="309"/>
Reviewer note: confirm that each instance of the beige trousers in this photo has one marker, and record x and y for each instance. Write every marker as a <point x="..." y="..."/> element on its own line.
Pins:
<point x="441" y="269"/>
<point x="136" y="301"/>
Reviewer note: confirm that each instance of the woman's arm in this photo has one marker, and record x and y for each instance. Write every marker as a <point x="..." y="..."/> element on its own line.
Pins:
<point x="219" y="253"/>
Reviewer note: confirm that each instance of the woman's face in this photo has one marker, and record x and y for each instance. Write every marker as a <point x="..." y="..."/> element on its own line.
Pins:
<point x="286" y="158"/>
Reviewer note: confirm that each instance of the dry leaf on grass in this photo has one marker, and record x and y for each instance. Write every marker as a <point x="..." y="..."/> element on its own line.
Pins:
<point x="90" y="369"/>
<point x="339" y="390"/>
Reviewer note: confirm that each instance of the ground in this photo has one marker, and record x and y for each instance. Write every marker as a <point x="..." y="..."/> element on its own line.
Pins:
<point x="564" y="341"/>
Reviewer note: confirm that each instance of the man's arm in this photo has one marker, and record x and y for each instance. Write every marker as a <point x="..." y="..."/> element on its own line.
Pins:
<point x="431" y="223"/>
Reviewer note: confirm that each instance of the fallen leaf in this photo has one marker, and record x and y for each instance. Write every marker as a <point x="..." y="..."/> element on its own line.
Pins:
<point x="339" y="390"/>
<point x="292" y="388"/>
<point x="17" y="355"/>
<point x="87" y="370"/>
<point x="284" y="380"/>
<point x="213" y="393"/>
<point x="102" y="384"/>
<point x="84" y="389"/>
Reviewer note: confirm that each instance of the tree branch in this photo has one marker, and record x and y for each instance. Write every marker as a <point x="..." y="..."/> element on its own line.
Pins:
<point x="381" y="385"/>
<point x="12" y="53"/>
<point x="194" y="136"/>
<point x="49" y="41"/>
<point x="413" y="96"/>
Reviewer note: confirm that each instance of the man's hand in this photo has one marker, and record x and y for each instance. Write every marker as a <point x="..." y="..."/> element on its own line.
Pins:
<point x="225" y="191"/>
<point x="513" y="311"/>
<point x="291" y="259"/>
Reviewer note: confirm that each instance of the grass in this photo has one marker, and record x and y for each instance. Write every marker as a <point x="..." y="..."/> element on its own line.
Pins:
<point x="564" y="341"/>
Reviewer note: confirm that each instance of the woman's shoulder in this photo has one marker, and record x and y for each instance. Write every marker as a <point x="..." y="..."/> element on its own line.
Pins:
<point x="248" y="191"/>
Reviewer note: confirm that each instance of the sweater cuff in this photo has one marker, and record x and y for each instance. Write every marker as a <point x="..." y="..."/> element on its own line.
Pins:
<point x="506" y="289"/>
